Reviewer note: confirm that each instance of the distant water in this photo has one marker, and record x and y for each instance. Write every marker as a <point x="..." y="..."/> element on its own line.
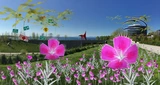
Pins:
<point x="75" y="38"/>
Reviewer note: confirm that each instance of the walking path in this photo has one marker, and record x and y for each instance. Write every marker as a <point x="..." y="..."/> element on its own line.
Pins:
<point x="1" y="53"/>
<point x="151" y="48"/>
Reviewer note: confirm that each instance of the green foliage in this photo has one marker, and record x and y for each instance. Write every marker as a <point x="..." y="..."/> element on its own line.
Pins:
<point x="147" y="39"/>
<point x="39" y="57"/>
<point x="17" y="59"/>
<point x="3" y="59"/>
<point x="29" y="11"/>
<point x="34" y="58"/>
<point x="118" y="32"/>
<point x="103" y="37"/>
<point x="17" y="46"/>
<point x="10" y="60"/>
<point x="23" y="52"/>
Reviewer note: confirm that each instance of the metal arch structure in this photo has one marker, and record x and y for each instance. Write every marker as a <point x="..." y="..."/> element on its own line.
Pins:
<point x="137" y="26"/>
<point x="137" y="29"/>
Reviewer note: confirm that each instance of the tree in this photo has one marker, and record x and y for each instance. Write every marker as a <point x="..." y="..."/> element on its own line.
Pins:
<point x="97" y="38"/>
<point x="37" y="36"/>
<point x="33" y="35"/>
<point x="118" y="31"/>
<point x="10" y="60"/>
<point x="4" y="59"/>
<point x="65" y="36"/>
<point x="58" y="36"/>
<point x="50" y="35"/>
<point x="15" y="36"/>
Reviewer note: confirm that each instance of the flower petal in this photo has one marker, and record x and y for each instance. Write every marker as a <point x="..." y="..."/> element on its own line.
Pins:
<point x="53" y="43"/>
<point x="51" y="57"/>
<point x="122" y="43"/>
<point x="60" y="50"/>
<point x="108" y="53"/>
<point x="131" y="54"/>
<point x="117" y="64"/>
<point x="44" y="49"/>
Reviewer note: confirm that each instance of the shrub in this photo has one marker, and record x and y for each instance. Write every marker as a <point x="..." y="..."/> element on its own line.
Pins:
<point x="10" y="60"/>
<point x="34" y="58"/>
<point x="23" y="52"/>
<point x="3" y="59"/>
<point x="18" y="59"/>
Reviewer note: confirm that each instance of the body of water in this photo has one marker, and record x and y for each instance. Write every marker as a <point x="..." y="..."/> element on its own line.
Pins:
<point x="74" y="38"/>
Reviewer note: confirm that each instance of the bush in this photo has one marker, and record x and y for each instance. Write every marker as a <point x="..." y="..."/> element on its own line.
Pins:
<point x="18" y="59"/>
<point x="41" y="57"/>
<point x="23" y="52"/>
<point x="3" y="59"/>
<point x="10" y="60"/>
<point x="34" y="58"/>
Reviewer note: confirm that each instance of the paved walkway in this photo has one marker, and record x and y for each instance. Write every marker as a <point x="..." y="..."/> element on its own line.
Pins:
<point x="1" y="53"/>
<point x="151" y="48"/>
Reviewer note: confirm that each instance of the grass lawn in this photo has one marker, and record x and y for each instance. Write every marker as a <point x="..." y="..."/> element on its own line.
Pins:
<point x="73" y="58"/>
<point x="18" y="46"/>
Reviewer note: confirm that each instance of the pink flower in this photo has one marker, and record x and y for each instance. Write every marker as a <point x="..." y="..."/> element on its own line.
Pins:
<point x="12" y="73"/>
<point x="89" y="84"/>
<point x="92" y="67"/>
<point x="149" y="64"/>
<point x="102" y="75"/>
<point x="95" y="78"/>
<point x="156" y="65"/>
<point x="140" y="68"/>
<point x="38" y="73"/>
<point x="91" y="77"/>
<point x="89" y="64"/>
<point x="18" y="65"/>
<point x="111" y="77"/>
<point x="121" y="55"/>
<point x="75" y="75"/>
<point x="81" y="59"/>
<point x="15" y="81"/>
<point x="73" y="69"/>
<point x="78" y="82"/>
<point x="83" y="68"/>
<point x="83" y="74"/>
<point x="86" y="78"/>
<point x="53" y="50"/>
<point x="9" y="68"/>
<point x="105" y="78"/>
<point x="39" y="65"/>
<point x="3" y="77"/>
<point x="141" y="60"/>
<point x="35" y="79"/>
<point x="68" y="79"/>
<point x="91" y="73"/>
<point x="24" y="62"/>
<point x="137" y="74"/>
<point x="149" y="71"/>
<point x="99" y="81"/>
<point x="29" y="57"/>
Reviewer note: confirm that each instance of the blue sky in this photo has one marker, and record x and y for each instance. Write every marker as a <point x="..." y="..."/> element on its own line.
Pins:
<point x="88" y="15"/>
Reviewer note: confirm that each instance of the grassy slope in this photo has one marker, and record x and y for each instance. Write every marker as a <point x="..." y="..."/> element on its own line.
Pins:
<point x="17" y="46"/>
<point x="73" y="58"/>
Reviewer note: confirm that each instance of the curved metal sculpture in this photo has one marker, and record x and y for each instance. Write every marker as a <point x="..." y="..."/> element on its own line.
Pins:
<point x="136" y="28"/>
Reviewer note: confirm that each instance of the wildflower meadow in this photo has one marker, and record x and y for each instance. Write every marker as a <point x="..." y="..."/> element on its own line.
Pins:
<point x="121" y="64"/>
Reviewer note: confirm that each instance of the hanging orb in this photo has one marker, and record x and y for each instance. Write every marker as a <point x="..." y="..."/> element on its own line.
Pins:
<point x="45" y="29"/>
